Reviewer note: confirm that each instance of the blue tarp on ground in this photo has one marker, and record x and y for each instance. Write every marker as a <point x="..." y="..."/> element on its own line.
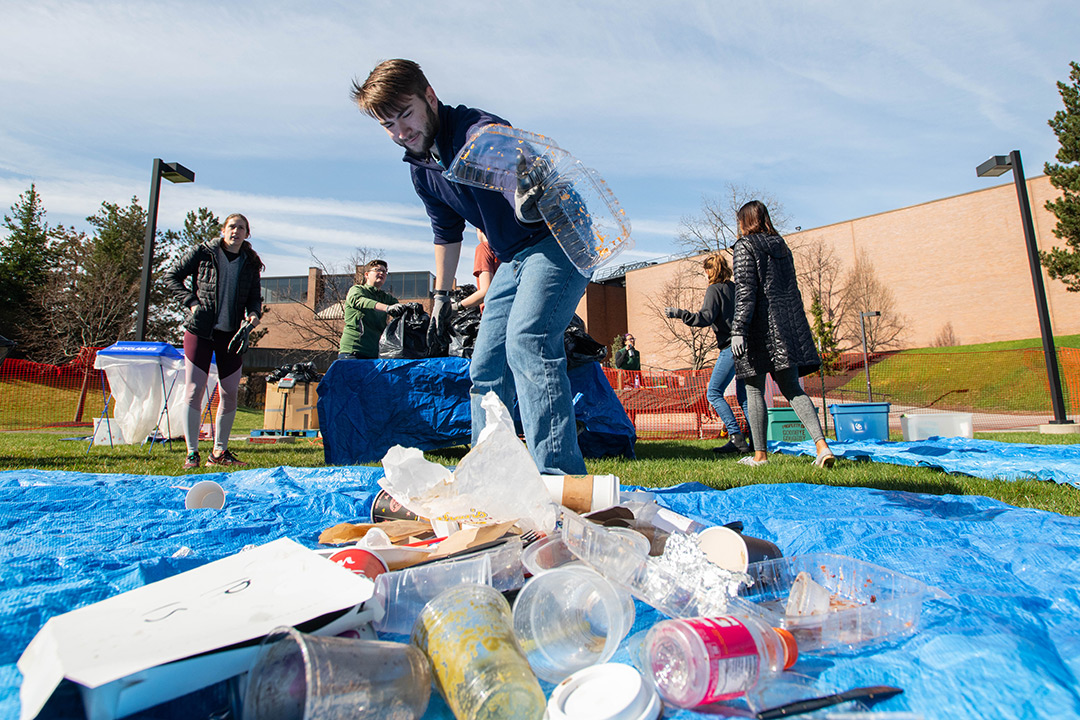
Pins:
<point x="979" y="458"/>
<point x="368" y="406"/>
<point x="1004" y="643"/>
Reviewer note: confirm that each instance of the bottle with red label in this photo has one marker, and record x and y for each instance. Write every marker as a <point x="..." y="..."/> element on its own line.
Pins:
<point x="697" y="661"/>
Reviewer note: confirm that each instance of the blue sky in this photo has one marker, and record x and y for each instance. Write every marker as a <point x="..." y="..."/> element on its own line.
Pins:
<point x="837" y="109"/>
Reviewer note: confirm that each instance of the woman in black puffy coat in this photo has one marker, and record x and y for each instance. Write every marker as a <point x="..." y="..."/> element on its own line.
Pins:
<point x="769" y="332"/>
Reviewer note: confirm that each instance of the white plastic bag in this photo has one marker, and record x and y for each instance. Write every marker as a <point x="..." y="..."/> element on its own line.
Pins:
<point x="497" y="481"/>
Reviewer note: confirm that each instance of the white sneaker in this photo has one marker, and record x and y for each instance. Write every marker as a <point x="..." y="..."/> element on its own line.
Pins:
<point x="749" y="460"/>
<point x="825" y="460"/>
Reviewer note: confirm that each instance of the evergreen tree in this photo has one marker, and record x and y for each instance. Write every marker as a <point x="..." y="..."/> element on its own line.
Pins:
<point x="26" y="256"/>
<point x="825" y="335"/>
<point x="1064" y="263"/>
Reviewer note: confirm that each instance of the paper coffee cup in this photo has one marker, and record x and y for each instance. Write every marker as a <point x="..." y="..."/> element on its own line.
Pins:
<point x="583" y="493"/>
<point x="205" y="494"/>
<point x="360" y="562"/>
<point x="725" y="548"/>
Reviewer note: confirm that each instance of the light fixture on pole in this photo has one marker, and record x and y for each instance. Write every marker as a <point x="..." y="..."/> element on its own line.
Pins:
<point x="176" y="173"/>
<point x="865" y="354"/>
<point x="999" y="165"/>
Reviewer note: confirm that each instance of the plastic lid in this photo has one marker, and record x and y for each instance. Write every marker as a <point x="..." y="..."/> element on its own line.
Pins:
<point x="611" y="691"/>
<point x="791" y="648"/>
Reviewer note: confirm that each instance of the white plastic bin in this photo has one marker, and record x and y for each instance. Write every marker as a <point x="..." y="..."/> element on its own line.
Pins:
<point x="925" y="425"/>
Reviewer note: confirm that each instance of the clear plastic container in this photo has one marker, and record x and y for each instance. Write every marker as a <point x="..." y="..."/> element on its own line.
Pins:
<point x="570" y="618"/>
<point x="550" y="552"/>
<point x="867" y="604"/>
<point x="623" y="560"/>
<point x="489" y="158"/>
<point x="577" y="205"/>
<point x="697" y="661"/>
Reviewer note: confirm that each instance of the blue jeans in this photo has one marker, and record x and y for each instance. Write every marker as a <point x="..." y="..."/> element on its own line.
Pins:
<point x="520" y="346"/>
<point x="722" y="374"/>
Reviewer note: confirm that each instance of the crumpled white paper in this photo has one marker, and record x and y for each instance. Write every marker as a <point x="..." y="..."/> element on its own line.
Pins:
<point x="497" y="481"/>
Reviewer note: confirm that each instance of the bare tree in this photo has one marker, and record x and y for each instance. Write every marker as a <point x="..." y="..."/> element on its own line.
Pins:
<point x="946" y="337"/>
<point x="818" y="271"/>
<point x="684" y="289"/>
<point x="321" y="325"/>
<point x="716" y="228"/>
<point x="864" y="292"/>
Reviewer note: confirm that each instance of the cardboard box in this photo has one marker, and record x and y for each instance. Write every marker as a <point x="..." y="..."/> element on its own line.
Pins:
<point x="298" y="404"/>
<point x="175" y="636"/>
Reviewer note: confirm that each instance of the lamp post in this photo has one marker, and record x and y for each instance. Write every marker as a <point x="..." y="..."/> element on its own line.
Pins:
<point x="173" y="172"/>
<point x="998" y="165"/>
<point x="865" y="354"/>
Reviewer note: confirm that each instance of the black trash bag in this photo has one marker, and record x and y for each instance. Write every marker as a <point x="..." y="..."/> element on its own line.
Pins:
<point x="464" y="324"/>
<point x="406" y="336"/>
<point x="581" y="349"/>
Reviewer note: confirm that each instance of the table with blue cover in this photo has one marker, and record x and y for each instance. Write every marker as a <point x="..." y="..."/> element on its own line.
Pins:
<point x="1001" y="639"/>
<point x="368" y="406"/>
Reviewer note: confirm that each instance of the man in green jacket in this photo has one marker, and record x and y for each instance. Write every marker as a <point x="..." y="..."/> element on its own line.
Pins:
<point x="366" y="309"/>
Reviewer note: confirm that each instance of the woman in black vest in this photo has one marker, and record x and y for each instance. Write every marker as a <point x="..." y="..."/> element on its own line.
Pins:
<point x="218" y="284"/>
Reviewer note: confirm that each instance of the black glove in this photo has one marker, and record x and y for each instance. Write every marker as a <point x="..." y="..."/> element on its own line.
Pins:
<point x="239" y="343"/>
<point x="530" y="188"/>
<point x="738" y="345"/>
<point x="396" y="310"/>
<point x="674" y="313"/>
<point x="440" y="310"/>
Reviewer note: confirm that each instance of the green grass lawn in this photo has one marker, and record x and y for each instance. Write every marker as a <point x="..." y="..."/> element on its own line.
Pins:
<point x="659" y="464"/>
<point x="993" y="377"/>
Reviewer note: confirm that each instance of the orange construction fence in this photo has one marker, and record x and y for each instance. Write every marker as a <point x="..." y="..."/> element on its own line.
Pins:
<point x="1003" y="389"/>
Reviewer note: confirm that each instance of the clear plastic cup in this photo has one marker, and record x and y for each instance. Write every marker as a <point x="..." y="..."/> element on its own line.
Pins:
<point x="304" y="677"/>
<point x="479" y="668"/>
<point x="546" y="554"/>
<point x="569" y="618"/>
<point x="404" y="593"/>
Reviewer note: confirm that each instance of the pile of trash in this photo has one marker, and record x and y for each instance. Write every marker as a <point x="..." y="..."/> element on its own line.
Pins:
<point x="509" y="597"/>
<point x="300" y="372"/>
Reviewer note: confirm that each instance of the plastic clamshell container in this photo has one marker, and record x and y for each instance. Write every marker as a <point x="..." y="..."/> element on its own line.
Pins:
<point x="927" y="425"/>
<point x="624" y="561"/>
<point x="784" y="424"/>
<point x="490" y="156"/>
<point x="577" y="205"/>
<point x="868" y="604"/>
<point x="861" y="421"/>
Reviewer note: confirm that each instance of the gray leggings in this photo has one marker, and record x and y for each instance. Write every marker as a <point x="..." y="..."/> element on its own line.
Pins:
<point x="788" y="382"/>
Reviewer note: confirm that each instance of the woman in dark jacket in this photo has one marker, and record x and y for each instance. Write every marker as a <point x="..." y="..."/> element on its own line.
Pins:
<point x="218" y="284"/>
<point x="716" y="312"/>
<point x="769" y="332"/>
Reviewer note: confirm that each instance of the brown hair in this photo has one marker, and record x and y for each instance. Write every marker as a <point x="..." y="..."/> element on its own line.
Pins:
<point x="754" y="218"/>
<point x="389" y="87"/>
<point x="246" y="247"/>
<point x="717" y="268"/>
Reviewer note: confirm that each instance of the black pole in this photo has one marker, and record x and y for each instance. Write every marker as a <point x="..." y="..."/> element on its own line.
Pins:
<point x="1052" y="375"/>
<point x="866" y="358"/>
<point x="148" y="253"/>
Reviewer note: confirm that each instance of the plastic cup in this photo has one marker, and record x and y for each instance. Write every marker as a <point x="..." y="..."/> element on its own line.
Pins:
<point x="481" y="672"/>
<point x="806" y="597"/>
<point x="205" y="494"/>
<point x="403" y="594"/>
<point x="304" y="677"/>
<point x="569" y="618"/>
<point x="546" y="554"/>
<point x="611" y="691"/>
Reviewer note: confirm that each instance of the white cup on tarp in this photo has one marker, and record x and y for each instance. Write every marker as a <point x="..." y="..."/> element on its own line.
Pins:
<point x="583" y="493"/>
<point x="205" y="494"/>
